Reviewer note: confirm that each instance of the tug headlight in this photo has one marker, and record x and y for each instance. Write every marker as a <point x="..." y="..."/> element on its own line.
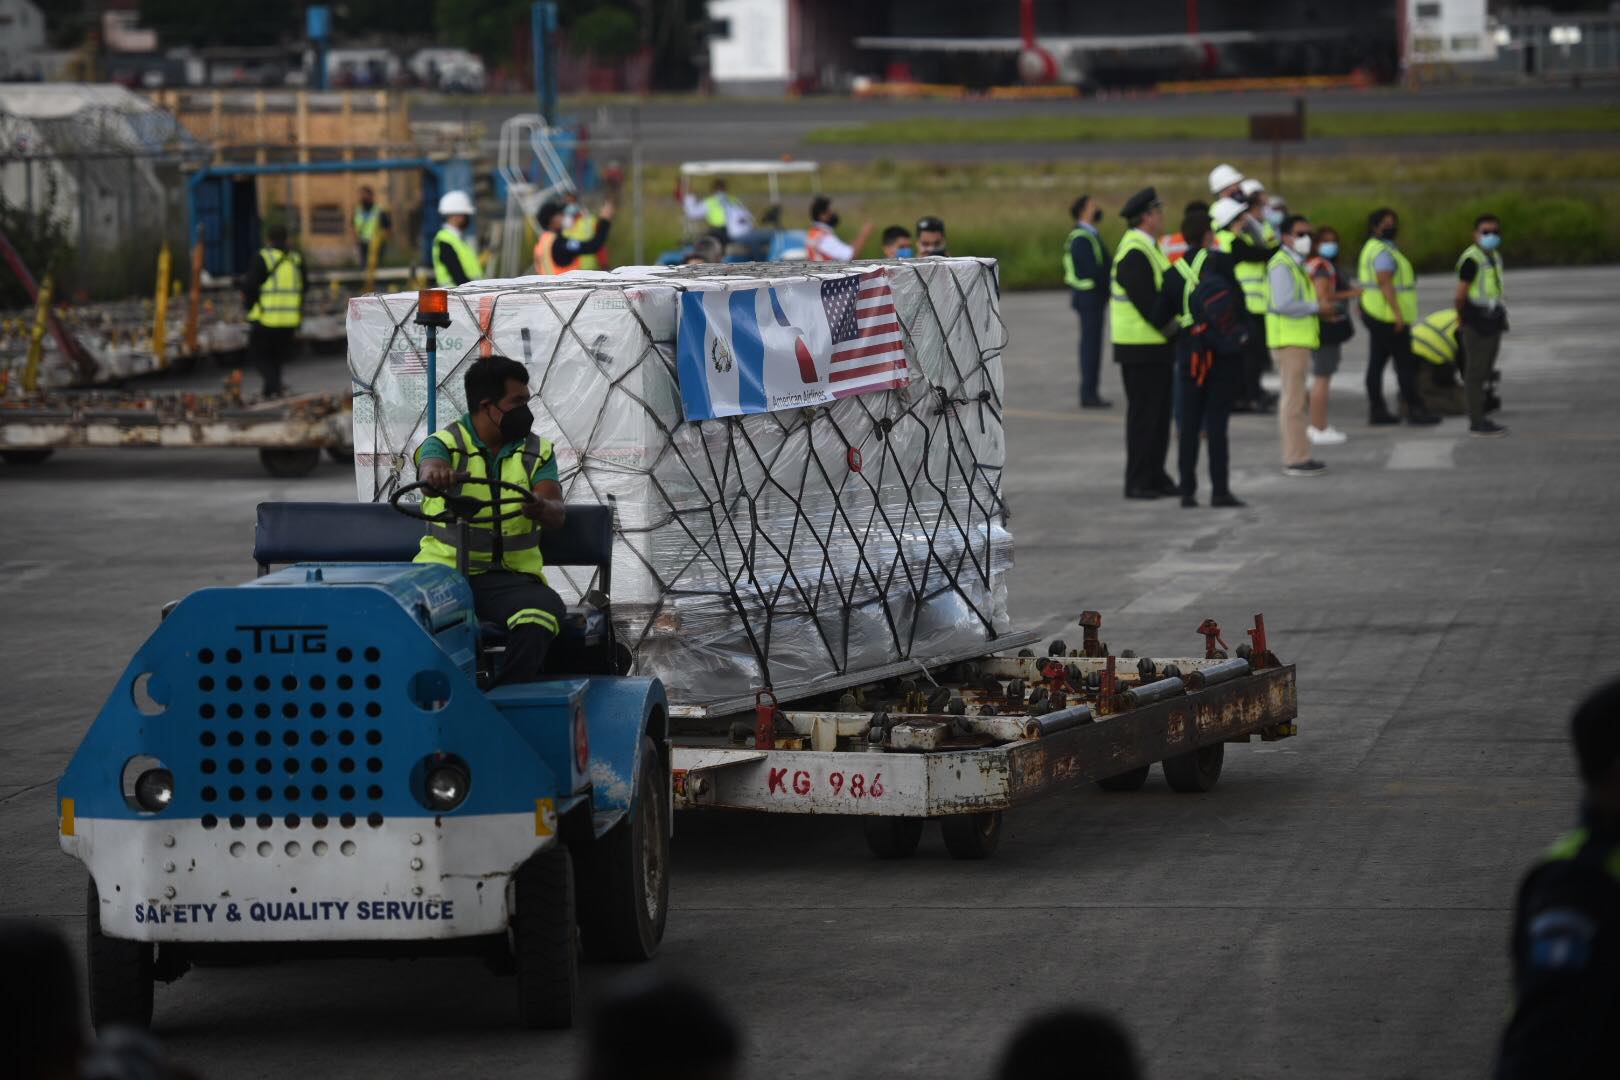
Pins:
<point x="154" y="790"/>
<point x="445" y="782"/>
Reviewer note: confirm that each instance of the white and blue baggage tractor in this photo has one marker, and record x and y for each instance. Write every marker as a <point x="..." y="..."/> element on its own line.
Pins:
<point x="308" y="762"/>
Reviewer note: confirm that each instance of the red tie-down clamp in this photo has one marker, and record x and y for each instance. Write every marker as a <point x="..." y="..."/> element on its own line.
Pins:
<point x="765" y="719"/>
<point x="853" y="456"/>
<point x="1212" y="637"/>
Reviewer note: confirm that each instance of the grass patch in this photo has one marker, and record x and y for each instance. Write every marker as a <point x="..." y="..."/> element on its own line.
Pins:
<point x="1561" y="209"/>
<point x="1080" y="127"/>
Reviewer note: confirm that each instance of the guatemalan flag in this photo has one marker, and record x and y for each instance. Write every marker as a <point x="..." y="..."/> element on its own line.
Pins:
<point x="787" y="346"/>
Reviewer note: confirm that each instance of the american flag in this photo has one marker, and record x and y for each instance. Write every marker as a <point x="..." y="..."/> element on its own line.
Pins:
<point x="869" y="350"/>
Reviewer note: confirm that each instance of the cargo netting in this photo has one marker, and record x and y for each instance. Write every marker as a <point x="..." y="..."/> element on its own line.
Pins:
<point x="777" y="548"/>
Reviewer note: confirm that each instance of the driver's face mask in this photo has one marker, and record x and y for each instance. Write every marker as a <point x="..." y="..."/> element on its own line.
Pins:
<point x="515" y="423"/>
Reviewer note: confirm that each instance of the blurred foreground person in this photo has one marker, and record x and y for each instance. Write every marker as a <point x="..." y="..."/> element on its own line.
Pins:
<point x="652" y="1026"/>
<point x="1566" y="932"/>
<point x="1072" y="1044"/>
<point x="40" y="1009"/>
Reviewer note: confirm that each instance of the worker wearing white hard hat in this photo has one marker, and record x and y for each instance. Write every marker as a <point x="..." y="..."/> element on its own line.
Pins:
<point x="1226" y="211"/>
<point x="1224" y="181"/>
<point x="455" y="258"/>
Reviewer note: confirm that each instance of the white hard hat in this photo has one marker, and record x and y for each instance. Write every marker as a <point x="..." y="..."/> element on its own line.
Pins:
<point x="455" y="202"/>
<point x="1225" y="211"/>
<point x="1222" y="177"/>
<point x="1251" y="186"/>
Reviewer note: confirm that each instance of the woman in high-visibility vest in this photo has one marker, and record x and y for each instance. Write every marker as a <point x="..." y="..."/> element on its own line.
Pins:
<point x="1388" y="310"/>
<point x="555" y="253"/>
<point x="1483" y="318"/>
<point x="274" y="293"/>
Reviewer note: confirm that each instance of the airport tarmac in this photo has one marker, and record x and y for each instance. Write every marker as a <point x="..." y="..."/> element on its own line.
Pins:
<point x="1337" y="907"/>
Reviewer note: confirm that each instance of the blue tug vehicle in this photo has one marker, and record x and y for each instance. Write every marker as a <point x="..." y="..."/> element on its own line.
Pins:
<point x="312" y="762"/>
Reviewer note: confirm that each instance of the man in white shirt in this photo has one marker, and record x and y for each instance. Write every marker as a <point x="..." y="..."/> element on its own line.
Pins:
<point x="822" y="243"/>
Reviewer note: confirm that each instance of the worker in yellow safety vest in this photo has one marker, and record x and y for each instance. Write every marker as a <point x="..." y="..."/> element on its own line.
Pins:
<point x="1086" y="265"/>
<point x="274" y="294"/>
<point x="455" y="259"/>
<point x="1483" y="317"/>
<point x="1388" y="310"/>
<point x="494" y="440"/>
<point x="370" y="222"/>
<point x="556" y="253"/>
<point x="1251" y="278"/>
<point x="1294" y="314"/>
<point x="1142" y="327"/>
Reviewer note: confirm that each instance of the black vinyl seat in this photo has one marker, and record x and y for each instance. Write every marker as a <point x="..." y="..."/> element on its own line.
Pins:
<point x="291" y="532"/>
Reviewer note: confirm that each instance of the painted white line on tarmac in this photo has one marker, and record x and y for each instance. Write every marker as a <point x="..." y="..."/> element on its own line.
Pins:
<point x="1422" y="454"/>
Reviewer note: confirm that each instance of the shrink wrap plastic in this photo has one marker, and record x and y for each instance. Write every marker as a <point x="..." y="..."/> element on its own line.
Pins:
<point x="778" y="548"/>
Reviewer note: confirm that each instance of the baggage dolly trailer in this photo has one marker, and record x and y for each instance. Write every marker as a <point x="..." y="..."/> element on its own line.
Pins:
<point x="969" y="740"/>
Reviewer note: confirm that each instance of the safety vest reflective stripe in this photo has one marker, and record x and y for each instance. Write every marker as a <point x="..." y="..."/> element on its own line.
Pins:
<point x="1435" y="340"/>
<point x="532" y="617"/>
<point x="1571" y="844"/>
<point x="471" y="269"/>
<point x="714" y="212"/>
<point x="1486" y="288"/>
<point x="1129" y="327"/>
<point x="1070" y="279"/>
<point x="1405" y="282"/>
<point x="543" y="262"/>
<point x="1292" y="331"/>
<point x="365" y="222"/>
<point x="583" y="227"/>
<point x="1191" y="270"/>
<point x="519" y="540"/>
<point x="280" y="304"/>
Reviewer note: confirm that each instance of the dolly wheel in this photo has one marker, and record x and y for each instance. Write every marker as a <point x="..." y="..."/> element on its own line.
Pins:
<point x="545" y="941"/>
<point x="1196" y="772"/>
<point x="972" y="836"/>
<point x="892" y="837"/>
<point x="120" y="973"/>
<point x="290" y="463"/>
<point x="1126" y="781"/>
<point x="625" y="900"/>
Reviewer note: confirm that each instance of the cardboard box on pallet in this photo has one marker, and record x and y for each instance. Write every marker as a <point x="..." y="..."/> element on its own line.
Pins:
<point x="776" y="547"/>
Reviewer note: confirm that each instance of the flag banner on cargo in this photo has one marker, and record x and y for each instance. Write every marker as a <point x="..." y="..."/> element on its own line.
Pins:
<point x="788" y="346"/>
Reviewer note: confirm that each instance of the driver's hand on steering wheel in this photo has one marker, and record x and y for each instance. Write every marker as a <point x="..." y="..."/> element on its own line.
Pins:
<point x="437" y="474"/>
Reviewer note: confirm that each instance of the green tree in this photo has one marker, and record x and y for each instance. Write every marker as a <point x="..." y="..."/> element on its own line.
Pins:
<point x="607" y="33"/>
<point x="222" y="22"/>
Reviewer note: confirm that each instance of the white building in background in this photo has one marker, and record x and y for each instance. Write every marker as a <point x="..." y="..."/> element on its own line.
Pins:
<point x="1445" y="32"/>
<point x="751" y="48"/>
<point x="22" y="41"/>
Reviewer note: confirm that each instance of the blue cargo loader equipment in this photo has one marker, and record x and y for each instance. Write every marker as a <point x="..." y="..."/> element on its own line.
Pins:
<point x="312" y="761"/>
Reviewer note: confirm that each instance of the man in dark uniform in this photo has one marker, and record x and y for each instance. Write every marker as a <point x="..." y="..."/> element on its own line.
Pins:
<point x="1143" y="316"/>
<point x="1566" y="932"/>
<point x="1085" y="272"/>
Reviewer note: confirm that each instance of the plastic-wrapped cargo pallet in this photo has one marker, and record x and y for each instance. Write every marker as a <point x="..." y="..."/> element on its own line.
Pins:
<point x="772" y="548"/>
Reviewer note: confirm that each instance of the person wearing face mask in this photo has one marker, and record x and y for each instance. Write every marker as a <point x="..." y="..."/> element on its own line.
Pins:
<point x="493" y="439"/>
<point x="1388" y="310"/>
<point x="931" y="236"/>
<point x="1331" y="287"/>
<point x="1293" y="330"/>
<point x="897" y="243"/>
<point x="1483" y="320"/>
<point x="1085" y="272"/>
<point x="822" y="243"/>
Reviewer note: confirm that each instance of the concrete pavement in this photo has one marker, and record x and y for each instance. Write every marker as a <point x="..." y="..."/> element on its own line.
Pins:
<point x="1337" y="907"/>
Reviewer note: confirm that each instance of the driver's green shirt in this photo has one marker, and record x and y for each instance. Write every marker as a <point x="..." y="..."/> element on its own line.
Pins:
<point x="434" y="447"/>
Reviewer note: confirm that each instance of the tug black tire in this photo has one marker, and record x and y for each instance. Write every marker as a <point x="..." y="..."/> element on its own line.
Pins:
<point x="892" y="837"/>
<point x="626" y="896"/>
<point x="972" y="836"/>
<point x="1126" y="781"/>
<point x="1196" y="772"/>
<point x="545" y="941"/>
<point x="120" y="973"/>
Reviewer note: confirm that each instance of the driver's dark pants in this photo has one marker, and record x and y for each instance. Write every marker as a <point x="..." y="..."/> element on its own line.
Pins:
<point x="529" y="609"/>
<point x="268" y="348"/>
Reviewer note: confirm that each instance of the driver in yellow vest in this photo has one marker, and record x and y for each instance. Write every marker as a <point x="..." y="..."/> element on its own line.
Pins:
<point x="555" y="253"/>
<point x="504" y="565"/>
<point x="274" y="293"/>
<point x="370" y="220"/>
